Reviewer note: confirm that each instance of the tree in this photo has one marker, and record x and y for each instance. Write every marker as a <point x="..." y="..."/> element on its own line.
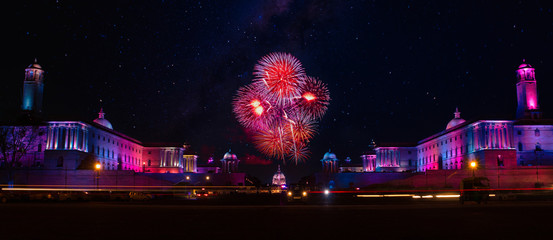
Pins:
<point x="15" y="143"/>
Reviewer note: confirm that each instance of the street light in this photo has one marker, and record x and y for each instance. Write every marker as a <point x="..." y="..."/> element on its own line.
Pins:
<point x="473" y="166"/>
<point x="98" y="166"/>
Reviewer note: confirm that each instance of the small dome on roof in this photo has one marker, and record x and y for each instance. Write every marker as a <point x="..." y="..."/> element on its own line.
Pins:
<point x="524" y="64"/>
<point x="102" y="121"/>
<point x="229" y="155"/>
<point x="35" y="65"/>
<point x="455" y="121"/>
<point x="329" y="156"/>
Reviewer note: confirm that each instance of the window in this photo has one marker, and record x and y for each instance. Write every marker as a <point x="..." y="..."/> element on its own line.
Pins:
<point x="519" y="132"/>
<point x="520" y="146"/>
<point x="537" y="132"/>
<point x="39" y="148"/>
<point x="499" y="161"/>
<point x="150" y="163"/>
<point x="60" y="162"/>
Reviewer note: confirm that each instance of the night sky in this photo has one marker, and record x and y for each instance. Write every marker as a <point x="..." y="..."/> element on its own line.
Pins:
<point x="168" y="70"/>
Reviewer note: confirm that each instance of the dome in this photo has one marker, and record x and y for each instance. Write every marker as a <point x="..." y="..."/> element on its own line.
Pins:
<point x="35" y="65"/>
<point x="524" y="64"/>
<point x="456" y="120"/>
<point x="229" y="155"/>
<point x="329" y="156"/>
<point x="102" y="121"/>
<point x="278" y="178"/>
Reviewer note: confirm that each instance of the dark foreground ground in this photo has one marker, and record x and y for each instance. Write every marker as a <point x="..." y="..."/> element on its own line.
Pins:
<point x="399" y="220"/>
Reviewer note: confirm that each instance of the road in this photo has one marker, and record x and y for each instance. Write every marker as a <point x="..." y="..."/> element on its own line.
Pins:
<point x="413" y="220"/>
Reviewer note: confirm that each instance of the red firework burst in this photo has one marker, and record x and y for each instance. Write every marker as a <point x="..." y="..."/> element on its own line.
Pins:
<point x="251" y="107"/>
<point x="281" y="107"/>
<point x="274" y="142"/>
<point x="302" y="126"/>
<point x="282" y="74"/>
<point x="314" y="99"/>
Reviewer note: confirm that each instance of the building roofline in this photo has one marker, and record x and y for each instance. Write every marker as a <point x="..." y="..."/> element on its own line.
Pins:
<point x="460" y="126"/>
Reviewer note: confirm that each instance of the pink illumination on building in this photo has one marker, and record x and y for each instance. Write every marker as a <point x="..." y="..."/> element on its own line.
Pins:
<point x="527" y="92"/>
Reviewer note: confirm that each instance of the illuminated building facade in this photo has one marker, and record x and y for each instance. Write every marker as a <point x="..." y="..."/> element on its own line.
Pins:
<point x="527" y="140"/>
<point x="72" y="145"/>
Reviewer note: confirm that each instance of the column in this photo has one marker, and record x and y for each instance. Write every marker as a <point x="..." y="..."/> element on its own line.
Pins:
<point x="495" y="136"/>
<point x="56" y="137"/>
<point x="66" y="134"/>
<point x="49" y="139"/>
<point x="483" y="137"/>
<point x="498" y="136"/>
<point x="85" y="140"/>
<point x="503" y="142"/>
<point x="508" y="130"/>
<point x="70" y="138"/>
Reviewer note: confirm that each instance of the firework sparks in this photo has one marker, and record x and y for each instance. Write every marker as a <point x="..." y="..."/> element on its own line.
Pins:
<point x="282" y="74"/>
<point x="282" y="107"/>
<point x="315" y="98"/>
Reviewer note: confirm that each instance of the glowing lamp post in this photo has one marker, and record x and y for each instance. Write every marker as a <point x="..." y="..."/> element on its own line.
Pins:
<point x="97" y="168"/>
<point x="473" y="166"/>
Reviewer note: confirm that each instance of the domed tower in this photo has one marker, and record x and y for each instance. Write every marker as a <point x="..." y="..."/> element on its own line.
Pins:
<point x="527" y="92"/>
<point x="229" y="162"/>
<point x="330" y="163"/>
<point x="278" y="178"/>
<point x="102" y="121"/>
<point x="33" y="86"/>
<point x="456" y="119"/>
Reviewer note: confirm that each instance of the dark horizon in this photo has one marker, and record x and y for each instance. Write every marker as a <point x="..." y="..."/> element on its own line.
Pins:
<point x="167" y="71"/>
